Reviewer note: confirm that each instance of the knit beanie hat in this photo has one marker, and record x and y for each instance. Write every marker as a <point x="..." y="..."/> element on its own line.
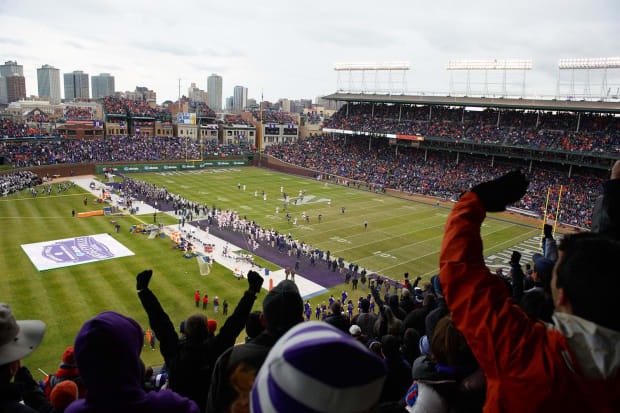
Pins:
<point x="293" y="377"/>
<point x="283" y="307"/>
<point x="211" y="326"/>
<point x="68" y="358"/>
<point x="63" y="394"/>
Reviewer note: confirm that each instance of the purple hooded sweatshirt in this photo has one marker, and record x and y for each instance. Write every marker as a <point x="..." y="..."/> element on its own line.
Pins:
<point x="107" y="352"/>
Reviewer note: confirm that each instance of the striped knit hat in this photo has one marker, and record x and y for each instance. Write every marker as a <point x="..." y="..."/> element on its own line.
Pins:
<point x="297" y="375"/>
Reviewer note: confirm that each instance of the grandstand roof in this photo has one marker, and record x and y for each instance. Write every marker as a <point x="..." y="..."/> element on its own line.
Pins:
<point x="525" y="104"/>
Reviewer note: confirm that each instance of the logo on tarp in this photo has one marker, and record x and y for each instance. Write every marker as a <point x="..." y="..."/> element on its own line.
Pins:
<point x="77" y="250"/>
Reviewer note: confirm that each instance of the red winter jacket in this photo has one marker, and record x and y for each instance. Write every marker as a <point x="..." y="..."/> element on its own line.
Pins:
<point x="529" y="366"/>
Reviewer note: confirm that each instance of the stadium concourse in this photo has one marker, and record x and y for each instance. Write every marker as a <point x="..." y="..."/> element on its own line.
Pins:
<point x="224" y="250"/>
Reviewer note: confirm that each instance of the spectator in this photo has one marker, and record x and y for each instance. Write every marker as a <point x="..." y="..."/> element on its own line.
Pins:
<point x="338" y="319"/>
<point x="67" y="372"/>
<point x="63" y="395"/>
<point x="282" y="309"/>
<point x="399" y="371"/>
<point x="19" y="339"/>
<point x="571" y="366"/>
<point x="190" y="360"/>
<point x="366" y="320"/>
<point x="449" y="379"/>
<point x="107" y="352"/>
<point x="294" y="366"/>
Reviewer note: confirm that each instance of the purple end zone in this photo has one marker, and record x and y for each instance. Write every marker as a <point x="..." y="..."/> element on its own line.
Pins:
<point x="317" y="273"/>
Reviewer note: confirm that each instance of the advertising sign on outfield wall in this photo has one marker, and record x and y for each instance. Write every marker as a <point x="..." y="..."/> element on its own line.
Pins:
<point x="173" y="166"/>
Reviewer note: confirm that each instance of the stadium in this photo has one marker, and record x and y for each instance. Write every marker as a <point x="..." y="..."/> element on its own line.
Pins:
<point x="380" y="250"/>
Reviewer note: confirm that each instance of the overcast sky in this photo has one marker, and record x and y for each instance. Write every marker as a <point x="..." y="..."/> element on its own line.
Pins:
<point x="288" y="48"/>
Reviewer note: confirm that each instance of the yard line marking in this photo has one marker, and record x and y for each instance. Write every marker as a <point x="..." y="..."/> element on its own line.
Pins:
<point x="435" y="252"/>
<point x="42" y="197"/>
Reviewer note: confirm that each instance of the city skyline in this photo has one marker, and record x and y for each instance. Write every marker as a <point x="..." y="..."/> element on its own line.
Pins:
<point x="287" y="66"/>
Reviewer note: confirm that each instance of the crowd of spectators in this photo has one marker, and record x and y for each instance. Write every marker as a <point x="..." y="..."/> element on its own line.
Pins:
<point x="79" y="113"/>
<point x="113" y="105"/>
<point x="236" y="120"/>
<point x="274" y="116"/>
<point x="202" y="109"/>
<point x="111" y="149"/>
<point x="12" y="129"/>
<point x="313" y="118"/>
<point x="438" y="174"/>
<point x="40" y="117"/>
<point x="16" y="181"/>
<point x="547" y="130"/>
<point x="136" y="108"/>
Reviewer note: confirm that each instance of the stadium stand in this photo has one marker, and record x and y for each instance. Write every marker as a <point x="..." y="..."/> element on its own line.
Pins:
<point x="437" y="174"/>
<point x="272" y="116"/>
<point x="12" y="129"/>
<point x="78" y="113"/>
<point x="111" y="149"/>
<point x="597" y="133"/>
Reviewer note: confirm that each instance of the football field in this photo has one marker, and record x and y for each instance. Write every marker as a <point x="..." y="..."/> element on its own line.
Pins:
<point x="402" y="236"/>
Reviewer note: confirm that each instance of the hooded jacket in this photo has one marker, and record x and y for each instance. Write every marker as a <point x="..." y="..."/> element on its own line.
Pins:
<point x="190" y="361"/>
<point x="107" y="352"/>
<point x="529" y="366"/>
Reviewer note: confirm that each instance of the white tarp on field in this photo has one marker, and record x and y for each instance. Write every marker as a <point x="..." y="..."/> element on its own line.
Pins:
<point x="67" y="252"/>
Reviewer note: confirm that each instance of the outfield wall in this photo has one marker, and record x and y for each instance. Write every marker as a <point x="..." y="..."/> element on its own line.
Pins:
<point x="77" y="169"/>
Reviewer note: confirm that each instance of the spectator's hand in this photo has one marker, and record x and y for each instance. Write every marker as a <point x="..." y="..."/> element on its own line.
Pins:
<point x="615" y="171"/>
<point x="142" y="280"/>
<point x="515" y="258"/>
<point x="548" y="231"/>
<point x="255" y="281"/>
<point x="505" y="190"/>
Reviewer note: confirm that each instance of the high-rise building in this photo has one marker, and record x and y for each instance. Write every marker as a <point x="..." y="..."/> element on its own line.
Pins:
<point x="102" y="85"/>
<point x="3" y="96"/>
<point x="285" y="104"/>
<point x="48" y="82"/>
<point x="240" y="97"/>
<point x="214" y="89"/>
<point x="76" y="85"/>
<point x="230" y="103"/>
<point x="197" y="95"/>
<point x="15" y="87"/>
<point x="8" y="68"/>
<point x="11" y="67"/>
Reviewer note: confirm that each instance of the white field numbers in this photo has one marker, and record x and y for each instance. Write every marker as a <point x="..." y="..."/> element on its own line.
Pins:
<point x="383" y="254"/>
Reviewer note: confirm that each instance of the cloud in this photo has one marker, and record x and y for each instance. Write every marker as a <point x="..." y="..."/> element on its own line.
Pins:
<point x="14" y="42"/>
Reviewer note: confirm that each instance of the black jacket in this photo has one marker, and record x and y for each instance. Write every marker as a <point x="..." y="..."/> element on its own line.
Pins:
<point x="339" y="321"/>
<point x="190" y="363"/>
<point x="34" y="399"/>
<point x="366" y="321"/>
<point x="251" y="354"/>
<point x="417" y="320"/>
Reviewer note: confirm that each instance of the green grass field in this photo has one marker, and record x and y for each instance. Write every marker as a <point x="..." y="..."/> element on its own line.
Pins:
<point x="402" y="236"/>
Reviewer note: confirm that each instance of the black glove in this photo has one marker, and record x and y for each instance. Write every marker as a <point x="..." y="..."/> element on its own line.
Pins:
<point x="255" y="281"/>
<point x="516" y="257"/>
<point x="505" y="190"/>
<point x="142" y="280"/>
<point x="548" y="230"/>
<point x="24" y="379"/>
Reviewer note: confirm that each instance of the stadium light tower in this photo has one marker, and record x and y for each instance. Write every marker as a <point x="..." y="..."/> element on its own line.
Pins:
<point x="485" y="65"/>
<point x="587" y="64"/>
<point x="372" y="72"/>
